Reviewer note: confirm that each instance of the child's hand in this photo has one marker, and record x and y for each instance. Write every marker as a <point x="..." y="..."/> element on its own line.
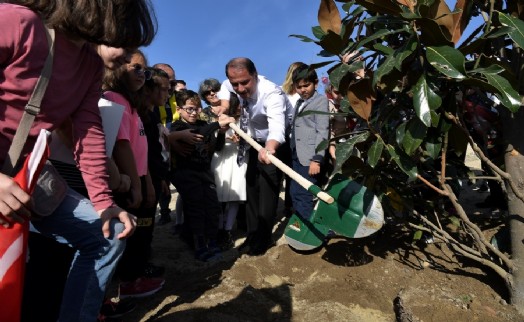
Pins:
<point x="14" y="205"/>
<point x="136" y="197"/>
<point x="125" y="183"/>
<point x="314" y="168"/>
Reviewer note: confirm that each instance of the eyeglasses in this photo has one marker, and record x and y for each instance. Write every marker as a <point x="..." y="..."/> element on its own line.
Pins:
<point x="191" y="110"/>
<point x="140" y="70"/>
<point x="206" y="93"/>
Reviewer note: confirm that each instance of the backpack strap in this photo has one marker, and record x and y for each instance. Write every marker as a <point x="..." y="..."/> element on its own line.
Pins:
<point x="31" y="109"/>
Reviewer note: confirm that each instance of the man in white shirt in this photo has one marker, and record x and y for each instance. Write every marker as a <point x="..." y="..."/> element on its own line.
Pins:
<point x="264" y="107"/>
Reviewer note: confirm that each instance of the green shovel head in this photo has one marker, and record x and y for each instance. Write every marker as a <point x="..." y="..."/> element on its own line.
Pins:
<point x="356" y="213"/>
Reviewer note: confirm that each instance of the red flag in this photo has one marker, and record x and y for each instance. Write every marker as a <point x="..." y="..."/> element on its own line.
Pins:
<point x="13" y="240"/>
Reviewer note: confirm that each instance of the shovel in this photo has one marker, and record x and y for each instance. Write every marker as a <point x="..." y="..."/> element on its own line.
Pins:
<point x="346" y="208"/>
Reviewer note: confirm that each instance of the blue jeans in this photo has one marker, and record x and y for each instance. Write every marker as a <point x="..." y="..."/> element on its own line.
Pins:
<point x="303" y="200"/>
<point x="76" y="223"/>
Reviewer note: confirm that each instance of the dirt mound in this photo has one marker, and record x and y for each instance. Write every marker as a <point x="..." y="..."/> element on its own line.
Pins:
<point x="372" y="279"/>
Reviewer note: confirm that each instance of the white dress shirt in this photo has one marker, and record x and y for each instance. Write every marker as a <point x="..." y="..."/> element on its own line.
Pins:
<point x="267" y="108"/>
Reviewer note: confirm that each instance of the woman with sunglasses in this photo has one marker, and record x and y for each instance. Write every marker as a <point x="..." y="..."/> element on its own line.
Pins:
<point x="124" y="86"/>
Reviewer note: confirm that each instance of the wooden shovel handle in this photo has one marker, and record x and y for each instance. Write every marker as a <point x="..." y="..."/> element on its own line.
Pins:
<point x="305" y="183"/>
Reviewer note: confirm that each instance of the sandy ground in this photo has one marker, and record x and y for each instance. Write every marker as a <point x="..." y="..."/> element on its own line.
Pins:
<point x="347" y="280"/>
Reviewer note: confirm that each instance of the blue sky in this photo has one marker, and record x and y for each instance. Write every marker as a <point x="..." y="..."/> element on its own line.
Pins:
<point x="198" y="38"/>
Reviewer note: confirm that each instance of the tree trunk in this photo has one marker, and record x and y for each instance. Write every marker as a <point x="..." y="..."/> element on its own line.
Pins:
<point x="514" y="161"/>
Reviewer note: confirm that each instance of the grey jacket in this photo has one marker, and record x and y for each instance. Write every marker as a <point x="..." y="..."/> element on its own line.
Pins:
<point x="309" y="130"/>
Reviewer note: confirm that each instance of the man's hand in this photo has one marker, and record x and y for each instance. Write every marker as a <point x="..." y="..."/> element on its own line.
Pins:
<point x="263" y="155"/>
<point x="187" y="136"/>
<point x="13" y="202"/>
<point x="270" y="149"/>
<point x="126" y="218"/>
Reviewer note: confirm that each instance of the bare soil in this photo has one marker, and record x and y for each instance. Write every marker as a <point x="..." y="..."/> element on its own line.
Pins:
<point x="347" y="280"/>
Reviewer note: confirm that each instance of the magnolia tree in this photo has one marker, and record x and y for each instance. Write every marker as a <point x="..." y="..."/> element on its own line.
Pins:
<point x="419" y="63"/>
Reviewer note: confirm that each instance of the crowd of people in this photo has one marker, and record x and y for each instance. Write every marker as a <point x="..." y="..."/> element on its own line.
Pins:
<point x="104" y="227"/>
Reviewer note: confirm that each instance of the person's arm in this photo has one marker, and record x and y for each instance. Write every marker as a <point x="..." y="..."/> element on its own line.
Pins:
<point x="90" y="154"/>
<point x="118" y="182"/>
<point x="182" y="140"/>
<point x="125" y="161"/>
<point x="224" y="95"/>
<point x="150" y="191"/>
<point x="275" y="104"/>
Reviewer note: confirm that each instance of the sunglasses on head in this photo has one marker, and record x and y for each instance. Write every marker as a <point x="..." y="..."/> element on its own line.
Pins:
<point x="140" y="70"/>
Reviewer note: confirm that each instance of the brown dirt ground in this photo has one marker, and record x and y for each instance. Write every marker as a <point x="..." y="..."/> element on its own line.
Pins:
<point x="348" y="280"/>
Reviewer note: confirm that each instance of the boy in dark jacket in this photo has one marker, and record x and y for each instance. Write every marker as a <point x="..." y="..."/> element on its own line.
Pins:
<point x="193" y="178"/>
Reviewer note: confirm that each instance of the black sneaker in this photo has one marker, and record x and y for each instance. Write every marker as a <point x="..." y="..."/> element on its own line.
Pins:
<point x="260" y="247"/>
<point x="227" y="241"/>
<point x="164" y="219"/>
<point x="153" y="271"/>
<point x="115" y="308"/>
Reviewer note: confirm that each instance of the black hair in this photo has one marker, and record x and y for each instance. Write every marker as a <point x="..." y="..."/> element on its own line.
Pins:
<point x="306" y="73"/>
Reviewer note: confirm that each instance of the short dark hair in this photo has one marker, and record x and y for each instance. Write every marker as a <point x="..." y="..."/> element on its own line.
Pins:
<point x="242" y="63"/>
<point x="186" y="94"/>
<point x="180" y="81"/>
<point x="122" y="23"/>
<point x="304" y="72"/>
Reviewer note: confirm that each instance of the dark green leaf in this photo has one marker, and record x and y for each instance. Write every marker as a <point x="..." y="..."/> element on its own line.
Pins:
<point x="435" y="118"/>
<point x="421" y="101"/>
<point x="499" y="32"/>
<point x="433" y="147"/>
<point x="377" y="35"/>
<point x="332" y="43"/>
<point x="385" y="68"/>
<point x="347" y="6"/>
<point x="345" y="149"/>
<point x="322" y="64"/>
<point x="322" y="146"/>
<point x="415" y="133"/>
<point x="432" y="34"/>
<point x="405" y="164"/>
<point x="400" y="133"/>
<point x="405" y="51"/>
<point x="492" y="69"/>
<point x="318" y="32"/>
<point x="303" y="38"/>
<point x="385" y="50"/>
<point x="517" y="34"/>
<point x="374" y="152"/>
<point x="341" y="71"/>
<point x="508" y="96"/>
<point x="447" y="60"/>
<point x="344" y="105"/>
